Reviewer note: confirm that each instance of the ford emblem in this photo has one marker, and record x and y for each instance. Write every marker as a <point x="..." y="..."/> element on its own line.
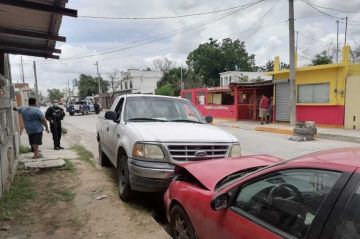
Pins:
<point x="200" y="154"/>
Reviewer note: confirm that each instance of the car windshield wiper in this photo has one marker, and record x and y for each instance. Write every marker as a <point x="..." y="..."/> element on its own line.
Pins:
<point x="186" y="120"/>
<point x="147" y="119"/>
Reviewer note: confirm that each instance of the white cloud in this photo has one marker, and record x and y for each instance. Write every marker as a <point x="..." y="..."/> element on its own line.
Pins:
<point x="266" y="37"/>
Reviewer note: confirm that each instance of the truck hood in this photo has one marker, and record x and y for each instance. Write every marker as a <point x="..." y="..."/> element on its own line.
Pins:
<point x="181" y="132"/>
<point x="204" y="171"/>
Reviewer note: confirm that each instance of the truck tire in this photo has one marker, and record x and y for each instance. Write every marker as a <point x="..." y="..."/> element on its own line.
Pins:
<point x="125" y="192"/>
<point x="82" y="112"/>
<point x="103" y="159"/>
<point x="71" y="113"/>
<point x="305" y="131"/>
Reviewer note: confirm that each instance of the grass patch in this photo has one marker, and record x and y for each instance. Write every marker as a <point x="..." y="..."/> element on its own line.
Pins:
<point x="54" y="195"/>
<point x="84" y="154"/>
<point x="14" y="200"/>
<point x="24" y="149"/>
<point x="70" y="166"/>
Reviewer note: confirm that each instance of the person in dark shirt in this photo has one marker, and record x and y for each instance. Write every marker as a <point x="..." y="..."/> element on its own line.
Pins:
<point x="55" y="114"/>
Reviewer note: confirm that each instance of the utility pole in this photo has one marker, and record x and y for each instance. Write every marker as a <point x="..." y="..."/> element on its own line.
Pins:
<point x="292" y="93"/>
<point x="181" y="79"/>
<point x="98" y="75"/>
<point x="22" y="70"/>
<point x="337" y="41"/>
<point x="36" y="84"/>
<point x="346" y="24"/>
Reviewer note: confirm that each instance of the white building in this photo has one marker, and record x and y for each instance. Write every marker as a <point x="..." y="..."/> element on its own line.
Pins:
<point x="242" y="76"/>
<point x="139" y="81"/>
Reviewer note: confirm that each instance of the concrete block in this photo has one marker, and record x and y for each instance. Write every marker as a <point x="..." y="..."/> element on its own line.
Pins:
<point x="45" y="164"/>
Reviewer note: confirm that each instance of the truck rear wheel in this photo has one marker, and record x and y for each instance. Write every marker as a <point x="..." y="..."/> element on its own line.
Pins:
<point x="103" y="159"/>
<point x="71" y="113"/>
<point x="125" y="192"/>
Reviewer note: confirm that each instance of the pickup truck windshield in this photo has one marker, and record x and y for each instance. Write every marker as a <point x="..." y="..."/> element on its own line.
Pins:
<point x="161" y="109"/>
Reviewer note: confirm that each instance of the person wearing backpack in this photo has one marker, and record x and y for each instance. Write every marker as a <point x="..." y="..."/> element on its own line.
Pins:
<point x="55" y="114"/>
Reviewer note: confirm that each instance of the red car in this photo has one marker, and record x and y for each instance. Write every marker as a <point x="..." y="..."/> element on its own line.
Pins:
<point x="256" y="197"/>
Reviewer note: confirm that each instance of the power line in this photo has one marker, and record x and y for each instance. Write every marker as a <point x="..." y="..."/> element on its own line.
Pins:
<point x="163" y="17"/>
<point x="166" y="35"/>
<point x="335" y="9"/>
<point x="321" y="11"/>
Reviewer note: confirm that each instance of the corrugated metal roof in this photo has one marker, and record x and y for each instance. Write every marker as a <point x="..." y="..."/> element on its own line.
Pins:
<point x="31" y="27"/>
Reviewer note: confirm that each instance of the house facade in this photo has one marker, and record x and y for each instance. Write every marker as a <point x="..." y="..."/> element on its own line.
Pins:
<point x="327" y="94"/>
<point x="228" y="77"/>
<point x="136" y="81"/>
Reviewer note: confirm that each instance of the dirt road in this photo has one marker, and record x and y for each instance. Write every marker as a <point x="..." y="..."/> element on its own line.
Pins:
<point x="64" y="203"/>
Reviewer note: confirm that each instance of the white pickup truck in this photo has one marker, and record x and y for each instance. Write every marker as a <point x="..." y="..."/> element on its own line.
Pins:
<point x="144" y="136"/>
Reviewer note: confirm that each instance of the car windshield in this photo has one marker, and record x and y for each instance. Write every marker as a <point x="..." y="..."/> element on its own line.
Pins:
<point x="161" y="109"/>
<point x="236" y="175"/>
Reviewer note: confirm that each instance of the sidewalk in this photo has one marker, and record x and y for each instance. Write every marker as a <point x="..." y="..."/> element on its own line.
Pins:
<point x="284" y="128"/>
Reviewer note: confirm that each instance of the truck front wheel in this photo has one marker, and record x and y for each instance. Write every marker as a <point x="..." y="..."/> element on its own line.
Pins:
<point x="125" y="192"/>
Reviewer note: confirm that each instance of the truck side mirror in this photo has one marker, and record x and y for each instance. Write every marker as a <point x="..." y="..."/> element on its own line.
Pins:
<point x="209" y="119"/>
<point x="110" y="115"/>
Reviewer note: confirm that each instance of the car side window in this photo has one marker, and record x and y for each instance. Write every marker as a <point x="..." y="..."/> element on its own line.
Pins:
<point x="349" y="227"/>
<point x="119" y="108"/>
<point x="287" y="200"/>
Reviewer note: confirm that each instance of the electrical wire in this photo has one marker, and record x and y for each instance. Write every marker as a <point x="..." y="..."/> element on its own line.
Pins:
<point x="166" y="35"/>
<point x="162" y="17"/>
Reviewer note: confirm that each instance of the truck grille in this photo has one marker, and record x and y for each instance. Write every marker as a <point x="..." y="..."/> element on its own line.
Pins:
<point x="197" y="152"/>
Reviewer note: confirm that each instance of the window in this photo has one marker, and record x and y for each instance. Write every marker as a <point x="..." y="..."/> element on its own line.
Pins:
<point x="317" y="93"/>
<point x="287" y="200"/>
<point x="126" y="85"/>
<point x="229" y="79"/>
<point x="131" y="85"/>
<point x="119" y="108"/>
<point x="350" y="225"/>
<point x="222" y="81"/>
<point x="121" y="86"/>
<point x="200" y="98"/>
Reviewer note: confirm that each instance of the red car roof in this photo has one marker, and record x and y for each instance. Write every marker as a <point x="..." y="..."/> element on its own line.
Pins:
<point x="344" y="156"/>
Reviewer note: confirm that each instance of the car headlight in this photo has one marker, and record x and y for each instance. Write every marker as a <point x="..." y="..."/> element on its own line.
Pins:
<point x="148" y="152"/>
<point x="235" y="151"/>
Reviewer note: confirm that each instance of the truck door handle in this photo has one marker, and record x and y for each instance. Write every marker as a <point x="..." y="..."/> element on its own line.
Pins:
<point x="107" y="129"/>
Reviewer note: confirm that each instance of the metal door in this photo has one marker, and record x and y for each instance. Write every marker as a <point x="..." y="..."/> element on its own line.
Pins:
<point x="282" y="109"/>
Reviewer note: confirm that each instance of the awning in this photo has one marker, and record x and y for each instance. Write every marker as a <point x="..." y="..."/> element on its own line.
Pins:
<point x="219" y="89"/>
<point x="252" y="84"/>
<point x="32" y="27"/>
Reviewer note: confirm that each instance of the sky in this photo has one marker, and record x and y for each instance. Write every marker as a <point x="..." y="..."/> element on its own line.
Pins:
<point x="137" y="43"/>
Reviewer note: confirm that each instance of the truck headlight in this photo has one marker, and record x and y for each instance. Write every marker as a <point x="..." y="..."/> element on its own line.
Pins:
<point x="147" y="152"/>
<point x="235" y="150"/>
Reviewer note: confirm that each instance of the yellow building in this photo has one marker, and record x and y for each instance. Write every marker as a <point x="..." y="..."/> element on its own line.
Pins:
<point x="327" y="94"/>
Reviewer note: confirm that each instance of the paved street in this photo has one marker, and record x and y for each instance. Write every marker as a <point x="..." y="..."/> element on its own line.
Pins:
<point x="252" y="142"/>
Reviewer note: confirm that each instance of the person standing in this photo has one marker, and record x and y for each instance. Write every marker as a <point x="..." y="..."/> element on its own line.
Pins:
<point x="54" y="114"/>
<point x="263" y="108"/>
<point x="270" y="111"/>
<point x="34" y="121"/>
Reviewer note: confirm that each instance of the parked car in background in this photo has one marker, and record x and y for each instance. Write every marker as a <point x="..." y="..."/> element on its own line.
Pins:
<point x="314" y="196"/>
<point x="145" y="136"/>
<point x="78" y="107"/>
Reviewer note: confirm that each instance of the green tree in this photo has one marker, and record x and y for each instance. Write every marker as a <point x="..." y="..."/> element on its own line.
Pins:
<point x="166" y="89"/>
<point x="269" y="66"/>
<point x="212" y="57"/>
<point x="173" y="78"/>
<point x="54" y="94"/>
<point x="322" y="58"/>
<point x="88" y="85"/>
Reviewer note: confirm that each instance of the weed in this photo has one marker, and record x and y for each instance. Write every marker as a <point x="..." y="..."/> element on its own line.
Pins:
<point x="14" y="200"/>
<point x="64" y="130"/>
<point x="53" y="195"/>
<point x="84" y="154"/>
<point x="70" y="166"/>
<point x="24" y="149"/>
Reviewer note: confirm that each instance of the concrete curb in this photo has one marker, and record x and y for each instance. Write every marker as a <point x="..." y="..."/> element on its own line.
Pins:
<point x="290" y="132"/>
